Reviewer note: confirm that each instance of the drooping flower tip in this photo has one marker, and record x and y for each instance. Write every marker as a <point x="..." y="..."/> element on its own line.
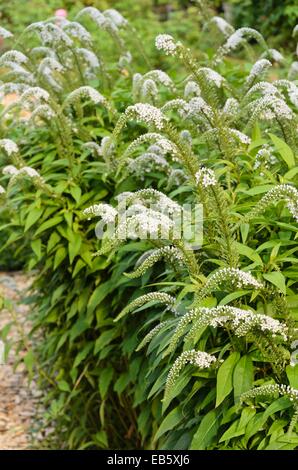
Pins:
<point x="5" y="34"/>
<point x="166" y="43"/>
<point x="9" y="146"/>
<point x="10" y="170"/>
<point x="206" y="177"/>
<point x="147" y="113"/>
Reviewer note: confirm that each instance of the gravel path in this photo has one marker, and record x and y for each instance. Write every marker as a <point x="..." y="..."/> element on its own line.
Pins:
<point x="19" y="402"/>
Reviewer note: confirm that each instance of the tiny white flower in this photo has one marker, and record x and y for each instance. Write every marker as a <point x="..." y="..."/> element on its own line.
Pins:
<point x="206" y="177"/>
<point x="10" y="170"/>
<point x="9" y="146"/>
<point x="166" y="43"/>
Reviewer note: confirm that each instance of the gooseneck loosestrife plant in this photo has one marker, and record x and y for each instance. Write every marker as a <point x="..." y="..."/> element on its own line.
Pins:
<point x="143" y="330"/>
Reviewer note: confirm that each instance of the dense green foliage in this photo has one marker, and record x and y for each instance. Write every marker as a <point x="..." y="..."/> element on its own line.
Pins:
<point x="149" y="344"/>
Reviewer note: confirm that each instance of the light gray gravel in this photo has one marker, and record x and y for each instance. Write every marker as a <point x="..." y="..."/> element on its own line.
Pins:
<point x="19" y="403"/>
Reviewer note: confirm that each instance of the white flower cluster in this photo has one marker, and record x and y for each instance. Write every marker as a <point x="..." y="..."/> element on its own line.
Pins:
<point x="147" y="113"/>
<point x="179" y="103"/>
<point x="199" y="359"/>
<point x="270" y="390"/>
<point x="94" y="147"/>
<point x="258" y="70"/>
<point x="280" y="192"/>
<point x="93" y="13"/>
<point x="145" y="86"/>
<point x="76" y="30"/>
<point x="85" y="92"/>
<point x="276" y="56"/>
<point x="141" y="222"/>
<point x="43" y="111"/>
<point x="116" y="17"/>
<point x="36" y="93"/>
<point x="224" y="27"/>
<point x="239" y="136"/>
<point x="12" y="171"/>
<point x="176" y="178"/>
<point x="46" y="67"/>
<point x="212" y="76"/>
<point x="166" y="43"/>
<point x="125" y="59"/>
<point x="164" y="203"/>
<point x="264" y="157"/>
<point x="206" y="177"/>
<point x="43" y="51"/>
<point x="293" y="71"/>
<point x="152" y="333"/>
<point x="160" y="297"/>
<point x="170" y="253"/>
<point x="51" y="35"/>
<point x="9" y="146"/>
<point x="242" y="322"/>
<point x="89" y="57"/>
<point x="5" y="34"/>
<point x="49" y="64"/>
<point x="233" y="277"/>
<point x="270" y="108"/>
<point x="147" y="163"/>
<point x="236" y="39"/>
<point x="13" y="56"/>
<point x="31" y="172"/>
<point x="19" y="73"/>
<point x="160" y="76"/>
<point x="108" y="20"/>
<point x="11" y="87"/>
<point x="264" y="88"/>
<point x="2" y="190"/>
<point x="291" y="89"/>
<point x="198" y="105"/>
<point x="105" y="211"/>
<point x="231" y="108"/>
<point x="191" y="89"/>
<point x="162" y="145"/>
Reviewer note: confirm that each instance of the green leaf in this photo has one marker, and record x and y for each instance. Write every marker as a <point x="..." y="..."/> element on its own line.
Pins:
<point x="207" y="430"/>
<point x="53" y="240"/>
<point x="249" y="253"/>
<point x="82" y="355"/>
<point x="105" y="379"/>
<point x="36" y="247"/>
<point x="80" y="264"/>
<point x="224" y="382"/>
<point x="234" y="295"/>
<point x="243" y="377"/>
<point x="280" y="404"/>
<point x="49" y="224"/>
<point x="63" y="386"/>
<point x="76" y="193"/>
<point x="78" y="328"/>
<point x="232" y="431"/>
<point x="60" y="255"/>
<point x="284" y="150"/>
<point x="277" y="279"/>
<point x="292" y="374"/>
<point x="98" y="296"/>
<point x="74" y="247"/>
<point x="33" y="216"/>
<point x="29" y="361"/>
<point x="169" y="423"/>
<point x="105" y="338"/>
